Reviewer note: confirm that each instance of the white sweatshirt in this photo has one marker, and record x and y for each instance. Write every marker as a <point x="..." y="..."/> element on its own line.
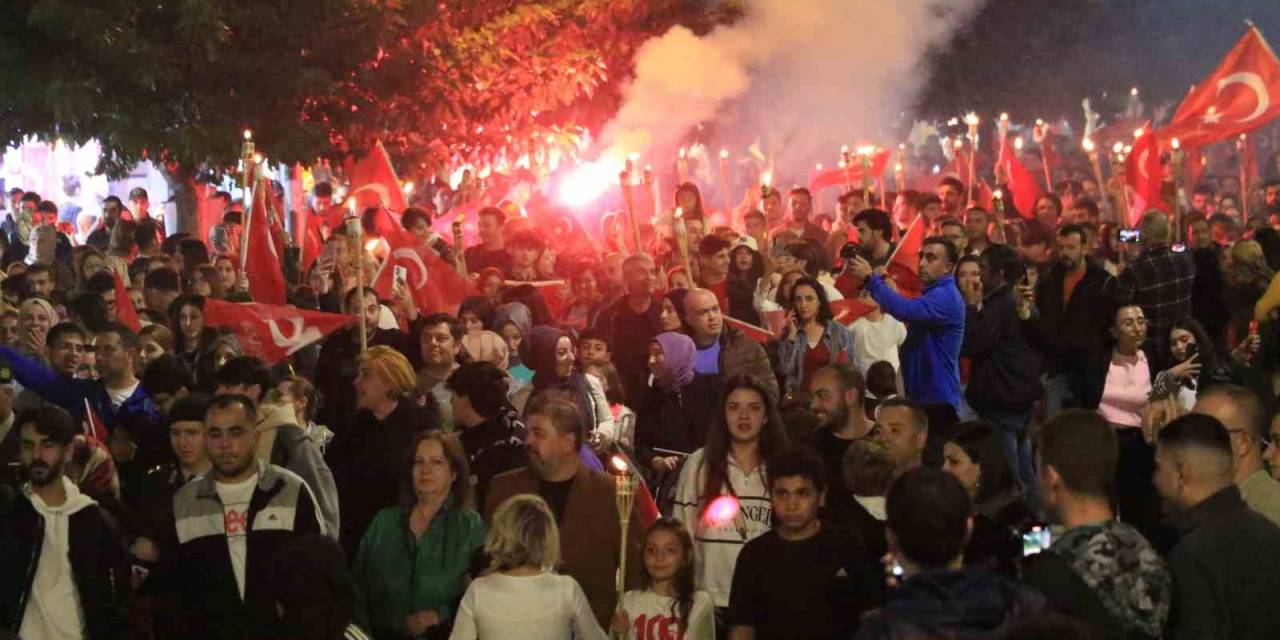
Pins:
<point x="650" y="617"/>
<point x="719" y="543"/>
<point x="53" y="608"/>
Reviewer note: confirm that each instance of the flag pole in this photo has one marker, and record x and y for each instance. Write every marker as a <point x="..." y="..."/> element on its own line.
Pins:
<point x="356" y="231"/>
<point x="248" y="224"/>
<point x="971" y="120"/>
<point x="1242" y="150"/>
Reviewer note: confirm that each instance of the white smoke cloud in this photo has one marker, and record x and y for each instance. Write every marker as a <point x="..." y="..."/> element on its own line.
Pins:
<point x="803" y="76"/>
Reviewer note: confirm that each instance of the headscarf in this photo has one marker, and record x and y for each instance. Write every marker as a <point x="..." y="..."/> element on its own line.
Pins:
<point x="517" y="314"/>
<point x="679" y="352"/>
<point x="538" y="352"/>
<point x="486" y="346"/>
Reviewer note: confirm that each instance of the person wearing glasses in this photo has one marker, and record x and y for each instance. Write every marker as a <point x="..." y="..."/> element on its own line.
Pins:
<point x="935" y="330"/>
<point x="1243" y="413"/>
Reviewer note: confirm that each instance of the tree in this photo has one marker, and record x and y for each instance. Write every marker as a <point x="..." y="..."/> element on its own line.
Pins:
<point x="176" y="82"/>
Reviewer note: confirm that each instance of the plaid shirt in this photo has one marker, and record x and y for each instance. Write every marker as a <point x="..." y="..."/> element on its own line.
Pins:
<point x="1160" y="283"/>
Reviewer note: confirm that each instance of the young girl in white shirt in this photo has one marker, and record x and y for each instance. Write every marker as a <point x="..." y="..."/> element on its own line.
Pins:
<point x="670" y="606"/>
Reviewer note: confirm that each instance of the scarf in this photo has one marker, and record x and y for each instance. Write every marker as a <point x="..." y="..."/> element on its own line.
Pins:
<point x="679" y="352"/>
<point x="538" y="352"/>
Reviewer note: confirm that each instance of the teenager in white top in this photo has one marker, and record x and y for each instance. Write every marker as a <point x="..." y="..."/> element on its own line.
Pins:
<point x="722" y="497"/>
<point x="876" y="336"/>
<point x="669" y="607"/>
<point x="522" y="596"/>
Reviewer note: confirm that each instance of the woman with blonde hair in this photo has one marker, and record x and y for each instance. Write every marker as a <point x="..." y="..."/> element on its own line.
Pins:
<point x="1245" y="269"/>
<point x="369" y="463"/>
<point x="522" y="596"/>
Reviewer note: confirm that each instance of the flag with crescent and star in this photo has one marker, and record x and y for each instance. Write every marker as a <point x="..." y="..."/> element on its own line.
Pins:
<point x="1239" y="96"/>
<point x="1143" y="174"/>
<point x="272" y="332"/>
<point x="434" y="284"/>
<point x="374" y="182"/>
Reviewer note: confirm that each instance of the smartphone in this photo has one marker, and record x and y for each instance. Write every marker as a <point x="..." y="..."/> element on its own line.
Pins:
<point x="1192" y="350"/>
<point x="1130" y="236"/>
<point x="401" y="274"/>
<point x="1036" y="539"/>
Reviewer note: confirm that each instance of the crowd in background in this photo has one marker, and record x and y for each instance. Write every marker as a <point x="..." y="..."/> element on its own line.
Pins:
<point x="1049" y="425"/>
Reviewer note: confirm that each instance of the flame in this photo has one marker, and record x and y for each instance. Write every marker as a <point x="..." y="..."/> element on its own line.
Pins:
<point x="1133" y="91"/>
<point x="724" y="154"/>
<point x="1175" y="144"/>
<point x="679" y="213"/>
<point x="997" y="194"/>
<point x="619" y="464"/>
<point x="1087" y="145"/>
<point x="257" y="158"/>
<point x="897" y="167"/>
<point x="1004" y="117"/>
<point x="248" y="135"/>
<point x="766" y="178"/>
<point x="844" y="148"/>
<point x="684" y="153"/>
<point x="371" y="245"/>
<point x="1117" y="147"/>
<point x="589" y="180"/>
<point x="971" y="119"/>
<point x="408" y="188"/>
<point x="818" y="167"/>
<point x="1137" y="133"/>
<point x="633" y="156"/>
<point x="1017" y="143"/>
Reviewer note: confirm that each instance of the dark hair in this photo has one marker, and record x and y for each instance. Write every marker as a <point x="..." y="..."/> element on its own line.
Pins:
<point x="127" y="337"/>
<point x="711" y="244"/>
<point x="797" y="461"/>
<point x="244" y="370"/>
<point x="1088" y="205"/>
<point x="57" y="331"/>
<point x="495" y="212"/>
<point x="100" y="283"/>
<point x="483" y="384"/>
<point x="882" y="377"/>
<point x="1003" y="259"/>
<point x="189" y="408"/>
<point x="715" y="453"/>
<point x="455" y="325"/>
<point x="175" y="312"/>
<point x="803" y="251"/>
<point x="89" y="309"/>
<point x="866" y="468"/>
<point x="1034" y="232"/>
<point x="848" y="376"/>
<point x="144" y="235"/>
<point x="690" y="187"/>
<point x="480" y="306"/>
<point x="984" y="447"/>
<point x="953" y="254"/>
<point x="412" y="215"/>
<point x="951" y="181"/>
<point x="224" y="401"/>
<point x="1081" y="447"/>
<point x="919" y="418"/>
<point x="1072" y="228"/>
<point x="51" y="422"/>
<point x="167" y="374"/>
<point x="877" y="220"/>
<point x="825" y="314"/>
<point x="563" y="412"/>
<point x="323" y="190"/>
<point x="615" y="391"/>
<point x="685" y="578"/>
<point x="163" y="279"/>
<point x="366" y="291"/>
<point x="800" y="191"/>
<point x="1199" y="431"/>
<point x="1052" y="197"/>
<point x="456" y="456"/>
<point x="527" y="239"/>
<point x="1204" y="346"/>
<point x="928" y="514"/>
<point x="301" y="386"/>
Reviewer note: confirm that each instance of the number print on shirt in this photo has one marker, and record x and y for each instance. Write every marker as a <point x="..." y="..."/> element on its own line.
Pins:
<point x="656" y="628"/>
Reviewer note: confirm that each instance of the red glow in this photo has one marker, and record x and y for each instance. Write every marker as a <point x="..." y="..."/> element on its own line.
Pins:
<point x="721" y="511"/>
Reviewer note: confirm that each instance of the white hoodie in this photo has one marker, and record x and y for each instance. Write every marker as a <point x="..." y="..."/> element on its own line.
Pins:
<point x="53" y="608"/>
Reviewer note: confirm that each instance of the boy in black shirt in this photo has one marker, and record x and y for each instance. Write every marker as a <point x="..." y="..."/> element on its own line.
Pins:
<point x="802" y="579"/>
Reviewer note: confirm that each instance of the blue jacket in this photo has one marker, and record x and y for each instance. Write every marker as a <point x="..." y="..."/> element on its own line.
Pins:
<point x="935" y="330"/>
<point x="137" y="414"/>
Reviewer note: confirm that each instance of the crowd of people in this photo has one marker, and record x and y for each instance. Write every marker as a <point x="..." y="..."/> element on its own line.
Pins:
<point x="1045" y="428"/>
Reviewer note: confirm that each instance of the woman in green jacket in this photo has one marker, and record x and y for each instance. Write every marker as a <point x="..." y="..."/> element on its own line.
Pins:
<point x="414" y="559"/>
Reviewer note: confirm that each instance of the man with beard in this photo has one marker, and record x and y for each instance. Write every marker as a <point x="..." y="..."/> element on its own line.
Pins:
<point x="836" y="401"/>
<point x="1062" y="319"/>
<point x="230" y="524"/>
<point x="555" y="433"/>
<point x="64" y="569"/>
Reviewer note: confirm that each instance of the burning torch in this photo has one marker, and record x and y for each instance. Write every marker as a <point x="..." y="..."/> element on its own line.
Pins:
<point x="624" y="494"/>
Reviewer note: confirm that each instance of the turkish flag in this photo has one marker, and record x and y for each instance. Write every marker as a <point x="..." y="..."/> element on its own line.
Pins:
<point x="1142" y="174"/>
<point x="262" y="266"/>
<point x="850" y="309"/>
<point x="1018" y="179"/>
<point x="904" y="264"/>
<point x="851" y="174"/>
<point x="93" y="427"/>
<point x="312" y="241"/>
<point x="125" y="311"/>
<point x="434" y="284"/>
<point x="374" y="182"/>
<point x="272" y="332"/>
<point x="759" y="334"/>
<point x="1236" y="98"/>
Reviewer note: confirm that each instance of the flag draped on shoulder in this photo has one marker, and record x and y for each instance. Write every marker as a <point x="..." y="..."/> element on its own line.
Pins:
<point x="1239" y="96"/>
<point x="272" y="332"/>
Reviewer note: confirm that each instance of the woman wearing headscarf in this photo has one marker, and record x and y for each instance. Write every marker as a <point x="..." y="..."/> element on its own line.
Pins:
<point x="512" y="321"/>
<point x="549" y="352"/>
<point x="664" y="422"/>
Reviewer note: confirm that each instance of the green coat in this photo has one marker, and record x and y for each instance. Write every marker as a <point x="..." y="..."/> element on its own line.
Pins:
<point x="396" y="575"/>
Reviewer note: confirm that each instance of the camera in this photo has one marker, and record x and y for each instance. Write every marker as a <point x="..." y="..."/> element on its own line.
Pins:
<point x="1130" y="236"/>
<point x="1036" y="539"/>
<point x="849" y="250"/>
